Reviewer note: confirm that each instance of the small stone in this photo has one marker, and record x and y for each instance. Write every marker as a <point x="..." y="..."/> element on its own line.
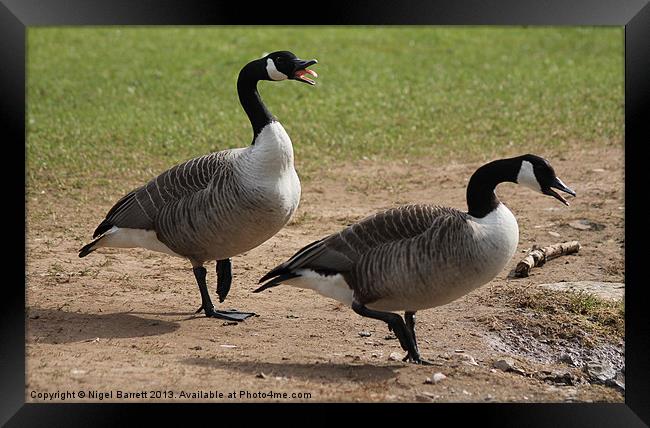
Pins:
<point x="507" y="365"/>
<point x="394" y="356"/>
<point x="554" y="234"/>
<point x="78" y="372"/>
<point x="438" y="377"/>
<point x="563" y="377"/>
<point x="228" y="346"/>
<point x="196" y="348"/>
<point x="599" y="372"/>
<point x="586" y="225"/>
<point x="261" y="375"/>
<point x="365" y="334"/>
<point x="389" y="337"/>
<point x="229" y="323"/>
<point x="468" y="359"/>
<point x="568" y="359"/>
<point x="423" y="398"/>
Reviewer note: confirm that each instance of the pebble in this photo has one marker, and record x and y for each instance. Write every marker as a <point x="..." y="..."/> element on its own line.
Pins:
<point x="507" y="365"/>
<point x="261" y="375"/>
<point x="585" y="224"/>
<point x="365" y="334"/>
<point x="603" y="290"/>
<point x="599" y="372"/>
<point x="395" y="356"/>
<point x="554" y="234"/>
<point x="437" y="377"/>
<point x="568" y="359"/>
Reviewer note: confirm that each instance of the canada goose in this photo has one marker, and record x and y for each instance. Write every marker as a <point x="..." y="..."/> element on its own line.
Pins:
<point x="416" y="257"/>
<point x="216" y="206"/>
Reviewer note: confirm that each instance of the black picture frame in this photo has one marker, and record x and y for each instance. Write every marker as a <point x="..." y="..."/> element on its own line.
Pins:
<point x="634" y="15"/>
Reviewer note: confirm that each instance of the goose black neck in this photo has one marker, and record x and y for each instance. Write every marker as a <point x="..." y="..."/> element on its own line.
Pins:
<point x="481" y="199"/>
<point x="250" y="99"/>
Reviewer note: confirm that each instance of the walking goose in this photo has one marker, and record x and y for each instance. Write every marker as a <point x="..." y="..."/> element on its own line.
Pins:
<point x="216" y="206"/>
<point x="416" y="257"/>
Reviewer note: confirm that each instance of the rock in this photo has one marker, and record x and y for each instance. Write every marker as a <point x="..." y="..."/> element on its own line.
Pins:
<point x="507" y="365"/>
<point x="617" y="382"/>
<point x="228" y="346"/>
<point x="568" y="359"/>
<point x="563" y="377"/>
<point x="599" y="372"/>
<point x="422" y="398"/>
<point x="468" y="359"/>
<point x="390" y="337"/>
<point x="603" y="290"/>
<point x="261" y="375"/>
<point x="395" y="356"/>
<point x="365" y="334"/>
<point x="554" y="234"/>
<point x="196" y="348"/>
<point x="586" y="225"/>
<point x="437" y="377"/>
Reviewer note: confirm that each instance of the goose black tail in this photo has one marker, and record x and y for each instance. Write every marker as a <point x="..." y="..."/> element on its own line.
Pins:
<point x="275" y="281"/>
<point x="88" y="248"/>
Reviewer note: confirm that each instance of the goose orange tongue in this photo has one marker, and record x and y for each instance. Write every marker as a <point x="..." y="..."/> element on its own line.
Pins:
<point x="301" y="74"/>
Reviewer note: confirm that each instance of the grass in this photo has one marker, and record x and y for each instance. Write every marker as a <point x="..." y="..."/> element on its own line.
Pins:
<point x="583" y="309"/>
<point x="110" y="107"/>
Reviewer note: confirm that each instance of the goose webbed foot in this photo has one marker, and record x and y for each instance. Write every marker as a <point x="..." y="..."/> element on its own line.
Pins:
<point x="415" y="359"/>
<point x="206" y="303"/>
<point x="230" y="315"/>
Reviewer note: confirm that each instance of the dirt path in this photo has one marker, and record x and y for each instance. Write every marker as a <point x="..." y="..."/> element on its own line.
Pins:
<point x="123" y="320"/>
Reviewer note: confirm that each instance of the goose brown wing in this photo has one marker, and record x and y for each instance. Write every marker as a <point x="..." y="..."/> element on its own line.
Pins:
<point x="340" y="252"/>
<point x="139" y="208"/>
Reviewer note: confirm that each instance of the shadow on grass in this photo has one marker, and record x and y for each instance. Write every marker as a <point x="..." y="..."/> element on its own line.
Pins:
<point x="323" y="372"/>
<point x="55" y="326"/>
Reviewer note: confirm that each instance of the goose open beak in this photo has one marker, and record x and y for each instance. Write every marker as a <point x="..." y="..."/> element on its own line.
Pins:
<point x="558" y="184"/>
<point x="300" y="71"/>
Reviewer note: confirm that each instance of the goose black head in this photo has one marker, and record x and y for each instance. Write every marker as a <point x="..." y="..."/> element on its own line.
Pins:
<point x="282" y="65"/>
<point x="537" y="174"/>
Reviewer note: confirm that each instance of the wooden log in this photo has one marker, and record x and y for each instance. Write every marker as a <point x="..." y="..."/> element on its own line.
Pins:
<point x="538" y="256"/>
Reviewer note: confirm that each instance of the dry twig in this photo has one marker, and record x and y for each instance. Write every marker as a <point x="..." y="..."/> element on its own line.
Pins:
<point x="538" y="256"/>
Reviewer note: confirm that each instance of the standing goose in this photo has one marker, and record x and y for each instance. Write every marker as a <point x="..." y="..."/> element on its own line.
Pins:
<point x="216" y="206"/>
<point x="417" y="257"/>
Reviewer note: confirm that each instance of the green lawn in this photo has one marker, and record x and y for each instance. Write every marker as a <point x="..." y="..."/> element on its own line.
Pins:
<point x="111" y="103"/>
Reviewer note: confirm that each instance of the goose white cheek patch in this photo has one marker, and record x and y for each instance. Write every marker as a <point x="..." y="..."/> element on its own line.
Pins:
<point x="273" y="72"/>
<point x="527" y="177"/>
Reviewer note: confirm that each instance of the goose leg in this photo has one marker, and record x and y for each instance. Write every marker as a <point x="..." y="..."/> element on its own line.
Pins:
<point x="224" y="278"/>
<point x="206" y="303"/>
<point x="409" y="317"/>
<point x="396" y="324"/>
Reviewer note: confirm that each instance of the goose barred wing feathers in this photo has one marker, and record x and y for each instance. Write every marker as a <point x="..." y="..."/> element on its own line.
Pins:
<point x="140" y="208"/>
<point x="369" y="252"/>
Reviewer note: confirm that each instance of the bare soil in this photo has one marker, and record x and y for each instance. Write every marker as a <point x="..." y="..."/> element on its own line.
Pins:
<point x="123" y="320"/>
